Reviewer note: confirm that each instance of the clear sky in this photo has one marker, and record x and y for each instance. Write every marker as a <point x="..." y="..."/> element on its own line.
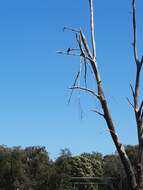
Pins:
<point x="34" y="80"/>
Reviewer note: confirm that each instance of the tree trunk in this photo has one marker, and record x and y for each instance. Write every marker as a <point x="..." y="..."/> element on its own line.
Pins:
<point x="135" y="179"/>
<point x="140" y="176"/>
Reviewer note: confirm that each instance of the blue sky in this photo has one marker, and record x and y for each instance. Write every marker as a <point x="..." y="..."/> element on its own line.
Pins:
<point x="34" y="80"/>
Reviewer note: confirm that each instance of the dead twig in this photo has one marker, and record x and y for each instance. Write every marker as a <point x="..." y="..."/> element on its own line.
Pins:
<point x="130" y="103"/>
<point x="86" y="90"/>
<point x="132" y="90"/>
<point x="85" y="44"/>
<point x="73" y="54"/>
<point x="71" y="29"/>
<point x="99" y="113"/>
<point x="67" y="53"/>
<point x="75" y="81"/>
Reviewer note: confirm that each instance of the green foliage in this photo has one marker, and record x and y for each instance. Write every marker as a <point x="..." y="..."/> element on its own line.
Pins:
<point x="26" y="169"/>
<point x="31" y="168"/>
<point x="85" y="165"/>
<point x="67" y="166"/>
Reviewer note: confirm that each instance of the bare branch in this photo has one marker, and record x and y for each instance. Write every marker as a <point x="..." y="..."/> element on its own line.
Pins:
<point x="111" y="131"/>
<point x="72" y="49"/>
<point x="130" y="102"/>
<point x="93" y="63"/>
<point x="140" y="108"/>
<point x="73" y="54"/>
<point x="79" y="41"/>
<point x="137" y="87"/>
<point x="66" y="53"/>
<point x="71" y="29"/>
<point x="85" y="89"/>
<point x="142" y="61"/>
<point x="132" y="90"/>
<point x="84" y="41"/>
<point x="142" y="115"/>
<point x="92" y="28"/>
<point x="75" y="81"/>
<point x="99" y="113"/>
<point x="85" y="72"/>
<point x="134" y="33"/>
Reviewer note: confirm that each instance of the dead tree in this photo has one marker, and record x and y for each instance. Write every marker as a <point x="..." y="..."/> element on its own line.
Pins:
<point x="88" y="57"/>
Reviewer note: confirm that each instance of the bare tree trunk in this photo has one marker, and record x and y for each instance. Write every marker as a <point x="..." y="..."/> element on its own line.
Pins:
<point x="107" y="115"/>
<point x="138" y="107"/>
<point x="89" y="55"/>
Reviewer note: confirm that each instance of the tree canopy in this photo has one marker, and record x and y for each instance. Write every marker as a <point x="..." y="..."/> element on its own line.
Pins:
<point x="32" y="169"/>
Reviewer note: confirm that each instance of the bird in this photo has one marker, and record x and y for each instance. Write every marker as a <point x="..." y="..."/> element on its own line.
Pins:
<point x="68" y="50"/>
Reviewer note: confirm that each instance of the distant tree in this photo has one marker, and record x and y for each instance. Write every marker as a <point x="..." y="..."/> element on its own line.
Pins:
<point x="31" y="168"/>
<point x="38" y="167"/>
<point x="113" y="167"/>
<point x="67" y="166"/>
<point x="86" y="165"/>
<point x="88" y="58"/>
<point x="11" y="173"/>
<point x="60" y="177"/>
<point x="26" y="169"/>
<point x="65" y="153"/>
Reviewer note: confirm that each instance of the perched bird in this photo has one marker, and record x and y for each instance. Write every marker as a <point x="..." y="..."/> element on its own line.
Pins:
<point x="68" y="50"/>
